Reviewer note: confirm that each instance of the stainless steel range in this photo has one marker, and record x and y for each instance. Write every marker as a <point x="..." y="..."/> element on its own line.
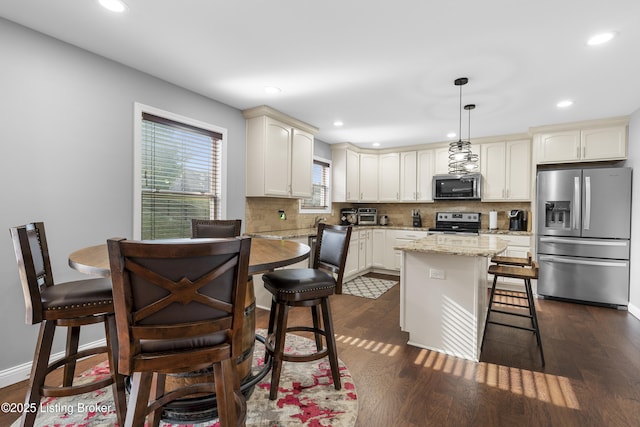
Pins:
<point x="457" y="222"/>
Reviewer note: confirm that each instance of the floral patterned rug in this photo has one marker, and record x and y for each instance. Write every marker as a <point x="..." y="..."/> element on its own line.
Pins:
<point x="306" y="397"/>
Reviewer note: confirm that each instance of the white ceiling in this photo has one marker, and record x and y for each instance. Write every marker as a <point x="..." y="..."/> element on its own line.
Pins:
<point x="384" y="67"/>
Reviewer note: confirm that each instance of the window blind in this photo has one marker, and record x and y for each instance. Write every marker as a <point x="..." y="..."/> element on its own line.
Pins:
<point x="320" y="191"/>
<point x="180" y="177"/>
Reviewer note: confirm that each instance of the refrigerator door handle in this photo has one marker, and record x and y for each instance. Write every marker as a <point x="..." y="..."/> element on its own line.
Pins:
<point x="584" y="242"/>
<point x="581" y="262"/>
<point x="587" y="202"/>
<point x="576" y="203"/>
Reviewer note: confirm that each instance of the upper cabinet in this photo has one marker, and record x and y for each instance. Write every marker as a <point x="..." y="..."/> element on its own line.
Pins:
<point x="416" y="173"/>
<point x="389" y="177"/>
<point x="279" y="154"/>
<point x="583" y="144"/>
<point x="368" y="177"/>
<point x="441" y="164"/>
<point x="506" y="170"/>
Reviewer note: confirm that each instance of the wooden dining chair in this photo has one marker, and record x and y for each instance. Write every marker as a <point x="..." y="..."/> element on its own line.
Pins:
<point x="307" y="287"/>
<point x="180" y="308"/>
<point x="215" y="227"/>
<point x="71" y="305"/>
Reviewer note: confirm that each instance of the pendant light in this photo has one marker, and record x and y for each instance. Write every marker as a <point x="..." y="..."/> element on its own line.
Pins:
<point x="471" y="162"/>
<point x="460" y="155"/>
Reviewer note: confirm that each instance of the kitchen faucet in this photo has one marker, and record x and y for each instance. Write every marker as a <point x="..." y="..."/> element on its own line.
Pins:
<point x="317" y="221"/>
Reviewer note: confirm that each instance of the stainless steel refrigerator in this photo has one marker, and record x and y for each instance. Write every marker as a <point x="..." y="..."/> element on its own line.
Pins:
<point x="583" y="228"/>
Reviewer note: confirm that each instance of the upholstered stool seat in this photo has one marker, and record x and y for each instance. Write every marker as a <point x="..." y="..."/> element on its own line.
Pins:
<point x="307" y="287"/>
<point x="299" y="284"/>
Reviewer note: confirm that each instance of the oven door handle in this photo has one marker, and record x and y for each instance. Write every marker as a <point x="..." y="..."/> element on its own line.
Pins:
<point x="543" y="258"/>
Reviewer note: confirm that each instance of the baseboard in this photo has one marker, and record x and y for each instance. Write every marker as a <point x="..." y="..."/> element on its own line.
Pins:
<point x="634" y="310"/>
<point x="21" y="372"/>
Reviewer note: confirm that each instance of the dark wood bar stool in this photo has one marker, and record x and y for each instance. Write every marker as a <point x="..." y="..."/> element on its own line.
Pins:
<point x="307" y="287"/>
<point x="215" y="228"/>
<point x="71" y="305"/>
<point x="516" y="261"/>
<point x="515" y="271"/>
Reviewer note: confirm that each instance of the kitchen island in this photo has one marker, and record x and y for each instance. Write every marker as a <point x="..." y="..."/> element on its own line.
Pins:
<point x="443" y="291"/>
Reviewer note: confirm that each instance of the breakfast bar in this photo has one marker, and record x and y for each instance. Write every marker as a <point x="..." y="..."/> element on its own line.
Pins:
<point x="443" y="291"/>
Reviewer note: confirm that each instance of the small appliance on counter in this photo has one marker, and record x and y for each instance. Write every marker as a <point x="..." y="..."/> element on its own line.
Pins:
<point x="416" y="219"/>
<point x="367" y="216"/>
<point x="384" y="220"/>
<point x="517" y="220"/>
<point x="348" y="216"/>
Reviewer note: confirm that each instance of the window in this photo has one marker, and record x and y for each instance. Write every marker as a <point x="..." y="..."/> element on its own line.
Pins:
<point x="179" y="175"/>
<point x="320" y="201"/>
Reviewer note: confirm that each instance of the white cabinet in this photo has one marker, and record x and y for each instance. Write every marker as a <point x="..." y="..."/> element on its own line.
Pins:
<point x="416" y="173"/>
<point x="389" y="177"/>
<point x="442" y="159"/>
<point x="345" y="174"/>
<point x="378" y="248"/>
<point x="506" y="170"/>
<point x="368" y="177"/>
<point x="393" y="257"/>
<point x="352" y="264"/>
<point x="279" y="157"/>
<point x="580" y="145"/>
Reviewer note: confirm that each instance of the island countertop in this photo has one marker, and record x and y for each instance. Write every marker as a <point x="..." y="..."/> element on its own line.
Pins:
<point x="452" y="244"/>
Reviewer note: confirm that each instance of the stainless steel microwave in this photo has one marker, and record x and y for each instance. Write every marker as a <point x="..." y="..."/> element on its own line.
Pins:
<point x="457" y="187"/>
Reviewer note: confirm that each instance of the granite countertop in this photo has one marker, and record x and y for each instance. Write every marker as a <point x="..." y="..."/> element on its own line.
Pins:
<point x="451" y="244"/>
<point x="284" y="234"/>
<point x="306" y="232"/>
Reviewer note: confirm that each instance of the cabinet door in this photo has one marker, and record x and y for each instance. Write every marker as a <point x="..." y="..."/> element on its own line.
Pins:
<point x="408" y="175"/>
<point x="604" y="143"/>
<point x="369" y="248"/>
<point x="301" y="164"/>
<point x="277" y="158"/>
<point x="362" y="251"/>
<point x="378" y="244"/>
<point x="424" y="178"/>
<point x="518" y="170"/>
<point x="353" y="253"/>
<point x="559" y="147"/>
<point x="493" y="171"/>
<point x="441" y="161"/>
<point x="368" y="177"/>
<point x="389" y="177"/>
<point x="353" y="176"/>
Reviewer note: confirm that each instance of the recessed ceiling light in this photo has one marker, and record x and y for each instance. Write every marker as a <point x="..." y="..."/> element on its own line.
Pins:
<point x="114" y="5"/>
<point x="272" y="89"/>
<point x="600" y="38"/>
<point x="564" y="104"/>
<point x="376" y="144"/>
<point x="451" y="135"/>
<point x="338" y="123"/>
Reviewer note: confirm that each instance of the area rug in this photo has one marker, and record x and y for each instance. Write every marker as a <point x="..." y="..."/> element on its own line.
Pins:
<point x="307" y="397"/>
<point x="367" y="287"/>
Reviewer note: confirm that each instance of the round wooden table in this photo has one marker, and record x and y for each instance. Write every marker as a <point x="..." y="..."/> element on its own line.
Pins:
<point x="266" y="255"/>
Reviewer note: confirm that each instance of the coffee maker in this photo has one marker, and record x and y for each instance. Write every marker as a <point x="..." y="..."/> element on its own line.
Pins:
<point x="517" y="220"/>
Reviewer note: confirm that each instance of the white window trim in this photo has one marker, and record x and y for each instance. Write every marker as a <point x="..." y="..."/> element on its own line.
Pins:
<point x="326" y="210"/>
<point x="138" y="109"/>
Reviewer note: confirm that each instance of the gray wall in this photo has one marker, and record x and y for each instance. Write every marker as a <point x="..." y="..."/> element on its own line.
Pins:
<point x="633" y="161"/>
<point x="66" y="157"/>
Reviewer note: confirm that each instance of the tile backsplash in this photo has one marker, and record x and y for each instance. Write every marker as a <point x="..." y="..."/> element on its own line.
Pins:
<point x="262" y="213"/>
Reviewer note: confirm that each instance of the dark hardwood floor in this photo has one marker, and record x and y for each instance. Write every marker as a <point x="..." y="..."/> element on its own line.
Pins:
<point x="591" y="377"/>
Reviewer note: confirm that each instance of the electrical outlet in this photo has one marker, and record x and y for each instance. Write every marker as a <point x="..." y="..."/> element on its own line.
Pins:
<point x="436" y="274"/>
